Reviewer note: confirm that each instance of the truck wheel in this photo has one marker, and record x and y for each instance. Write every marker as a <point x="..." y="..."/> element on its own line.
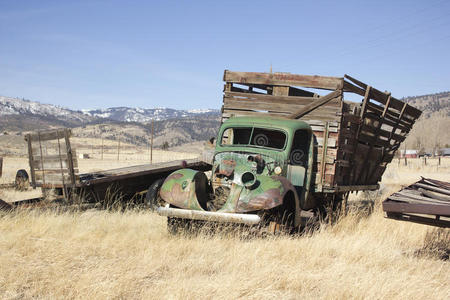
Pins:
<point x="281" y="219"/>
<point x="153" y="199"/>
<point x="21" y="180"/>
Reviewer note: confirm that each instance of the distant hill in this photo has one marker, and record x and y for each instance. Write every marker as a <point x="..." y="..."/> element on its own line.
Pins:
<point x="429" y="104"/>
<point x="431" y="132"/>
<point x="175" y="132"/>
<point x="178" y="127"/>
<point x="132" y="125"/>
<point x="145" y="115"/>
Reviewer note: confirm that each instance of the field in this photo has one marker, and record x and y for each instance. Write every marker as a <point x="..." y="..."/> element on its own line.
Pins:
<point x="101" y="254"/>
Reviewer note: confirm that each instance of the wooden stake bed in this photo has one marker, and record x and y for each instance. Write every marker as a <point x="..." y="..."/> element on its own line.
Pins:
<point x="354" y="141"/>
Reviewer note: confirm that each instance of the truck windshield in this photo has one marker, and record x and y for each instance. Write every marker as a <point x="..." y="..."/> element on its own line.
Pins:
<point x="259" y="137"/>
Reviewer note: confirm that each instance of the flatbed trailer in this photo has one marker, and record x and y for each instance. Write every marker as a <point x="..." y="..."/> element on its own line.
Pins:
<point x="54" y="165"/>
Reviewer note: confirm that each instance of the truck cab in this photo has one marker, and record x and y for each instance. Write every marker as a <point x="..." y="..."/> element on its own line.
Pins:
<point x="259" y="168"/>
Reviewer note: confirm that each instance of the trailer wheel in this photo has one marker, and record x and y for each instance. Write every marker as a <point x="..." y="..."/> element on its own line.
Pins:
<point x="153" y="198"/>
<point x="21" y="181"/>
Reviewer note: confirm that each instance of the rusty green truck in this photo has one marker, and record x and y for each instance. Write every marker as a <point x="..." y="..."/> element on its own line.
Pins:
<point x="285" y="147"/>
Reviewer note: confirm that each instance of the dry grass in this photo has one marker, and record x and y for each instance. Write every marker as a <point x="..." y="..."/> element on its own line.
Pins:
<point x="112" y="255"/>
<point x="100" y="254"/>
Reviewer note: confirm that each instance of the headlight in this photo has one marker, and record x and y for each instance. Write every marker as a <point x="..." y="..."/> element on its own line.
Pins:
<point x="277" y="170"/>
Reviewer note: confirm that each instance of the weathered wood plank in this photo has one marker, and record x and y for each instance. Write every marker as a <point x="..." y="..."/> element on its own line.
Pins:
<point x="370" y="130"/>
<point x="316" y="104"/>
<point x="50" y="164"/>
<point x="47" y="135"/>
<point x="383" y="97"/>
<point x="321" y="82"/>
<point x="275" y="99"/>
<point x="233" y="103"/>
<point x="228" y="113"/>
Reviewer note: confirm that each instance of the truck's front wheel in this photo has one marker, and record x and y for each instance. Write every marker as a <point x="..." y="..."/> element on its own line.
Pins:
<point x="282" y="218"/>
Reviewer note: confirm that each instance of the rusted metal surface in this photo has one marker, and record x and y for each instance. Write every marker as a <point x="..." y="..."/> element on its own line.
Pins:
<point x="426" y="201"/>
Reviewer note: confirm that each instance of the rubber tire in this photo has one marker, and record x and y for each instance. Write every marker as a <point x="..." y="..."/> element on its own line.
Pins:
<point x="152" y="197"/>
<point x="21" y="179"/>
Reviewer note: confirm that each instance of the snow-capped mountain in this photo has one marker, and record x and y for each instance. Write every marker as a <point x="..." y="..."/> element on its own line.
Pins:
<point x="145" y="115"/>
<point x="17" y="106"/>
<point x="19" y="114"/>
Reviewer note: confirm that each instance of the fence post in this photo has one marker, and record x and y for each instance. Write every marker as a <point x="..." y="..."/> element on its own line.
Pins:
<point x="151" y="144"/>
<point x="1" y="166"/>
<point x="118" y="148"/>
<point x="406" y="161"/>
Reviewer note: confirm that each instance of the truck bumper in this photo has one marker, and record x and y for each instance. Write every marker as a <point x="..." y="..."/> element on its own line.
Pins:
<point x="248" y="219"/>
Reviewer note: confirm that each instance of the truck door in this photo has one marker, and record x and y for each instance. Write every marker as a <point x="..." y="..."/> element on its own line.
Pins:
<point x="298" y="158"/>
<point x="298" y="170"/>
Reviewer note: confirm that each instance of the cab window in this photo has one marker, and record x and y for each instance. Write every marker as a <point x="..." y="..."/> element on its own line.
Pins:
<point x="259" y="137"/>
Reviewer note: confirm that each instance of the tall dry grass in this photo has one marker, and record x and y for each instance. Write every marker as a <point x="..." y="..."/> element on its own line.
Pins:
<point x="99" y="254"/>
<point x="105" y="254"/>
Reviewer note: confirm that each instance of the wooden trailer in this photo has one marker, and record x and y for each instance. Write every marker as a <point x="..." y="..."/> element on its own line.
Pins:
<point x="354" y="140"/>
<point x="54" y="165"/>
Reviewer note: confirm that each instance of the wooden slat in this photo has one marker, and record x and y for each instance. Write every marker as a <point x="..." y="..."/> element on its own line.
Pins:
<point x="373" y="140"/>
<point x="275" y="99"/>
<point x="321" y="82"/>
<point x="394" y="117"/>
<point x="72" y="158"/>
<point x="383" y="97"/>
<point x="245" y="104"/>
<point x="316" y="104"/>
<point x="387" y="134"/>
<point x="50" y="164"/>
<point x="51" y="177"/>
<point x="228" y="113"/>
<point x="348" y="87"/>
<point x="47" y="135"/>
<point x="53" y="157"/>
<point x="54" y="171"/>
<point x="30" y="159"/>
<point x="404" y="128"/>
<point x="322" y="128"/>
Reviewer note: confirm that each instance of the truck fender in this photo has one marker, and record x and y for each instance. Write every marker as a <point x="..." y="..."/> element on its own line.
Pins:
<point x="269" y="198"/>
<point x="186" y="188"/>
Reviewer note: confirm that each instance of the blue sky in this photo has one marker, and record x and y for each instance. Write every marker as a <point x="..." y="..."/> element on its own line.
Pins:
<point x="98" y="54"/>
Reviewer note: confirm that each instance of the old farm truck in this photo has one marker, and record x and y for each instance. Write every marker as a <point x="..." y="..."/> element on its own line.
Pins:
<point x="285" y="146"/>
